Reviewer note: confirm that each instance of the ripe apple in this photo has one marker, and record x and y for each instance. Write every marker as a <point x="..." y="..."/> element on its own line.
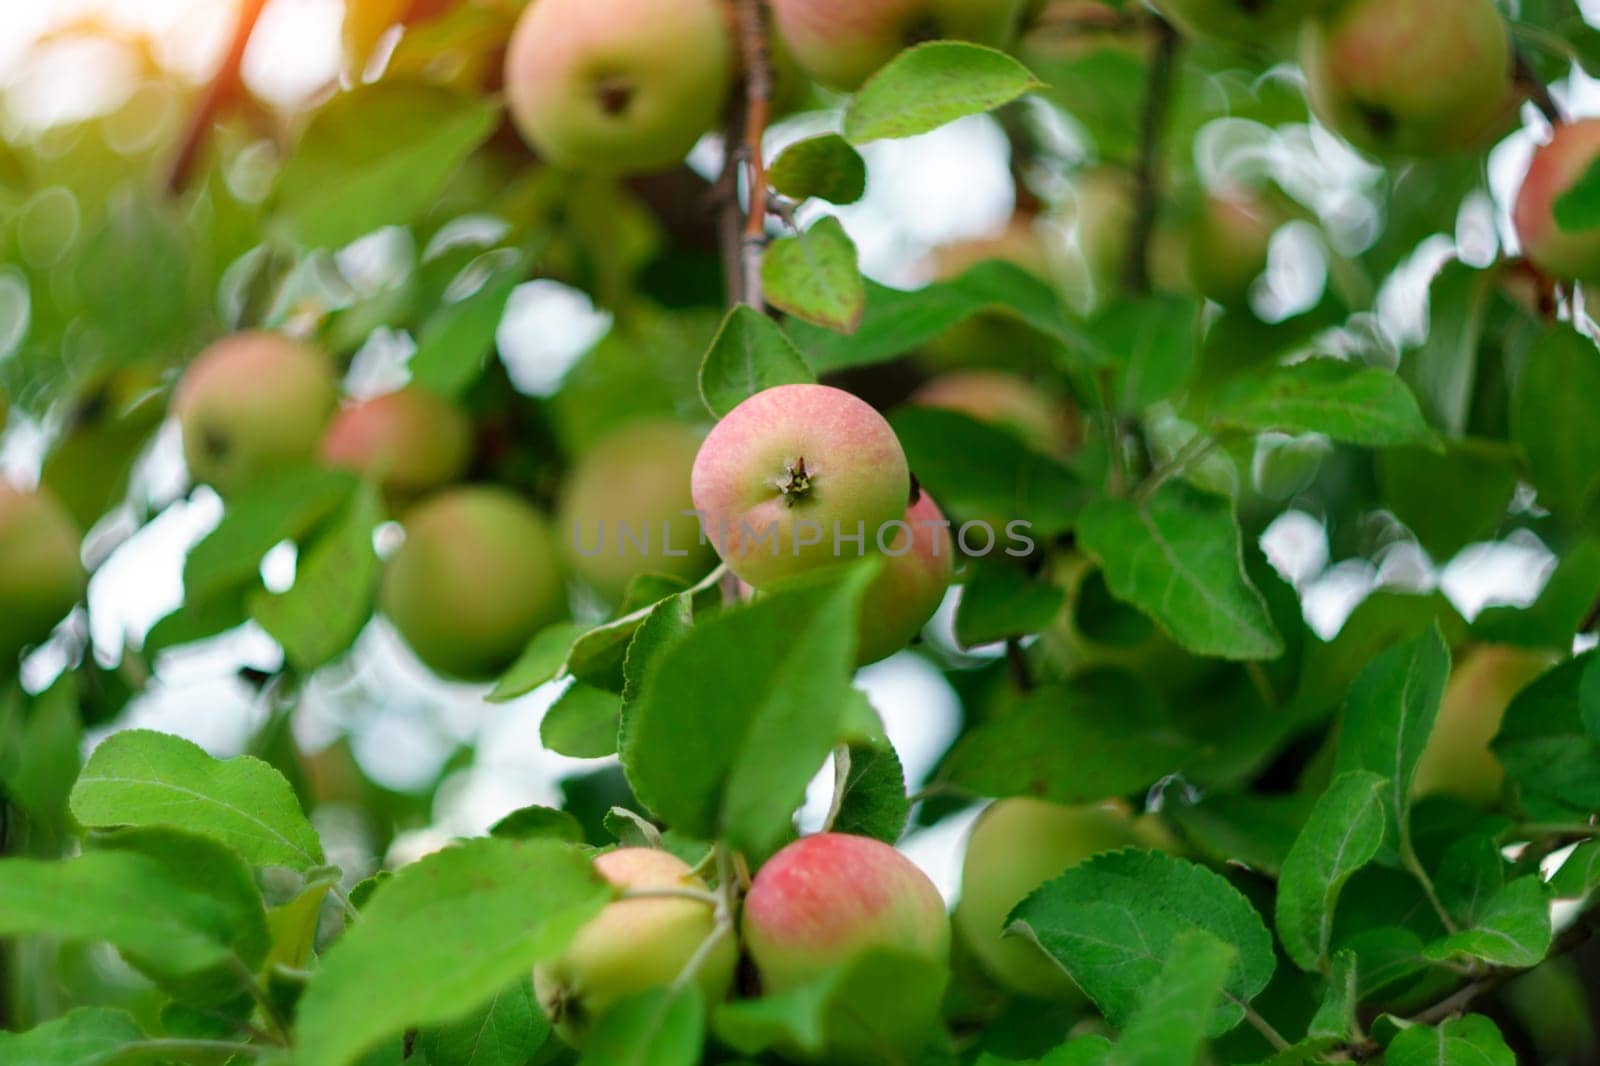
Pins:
<point x="825" y="899"/>
<point x="1005" y="400"/>
<point x="411" y="440"/>
<point x="1229" y="242"/>
<point x="618" y="86"/>
<point x="1556" y="168"/>
<point x="626" y="509"/>
<point x="41" y="576"/>
<point x="911" y="585"/>
<point x="633" y="944"/>
<point x="841" y="43"/>
<point x="1249" y="21"/>
<point x="791" y="472"/>
<point x="1410" y="77"/>
<point x="475" y="579"/>
<point x="251" y="404"/>
<point x="1017" y="845"/>
<point x="1458" y="760"/>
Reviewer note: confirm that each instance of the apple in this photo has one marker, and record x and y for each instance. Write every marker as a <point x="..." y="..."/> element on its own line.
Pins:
<point x="1557" y="166"/>
<point x="786" y="476"/>
<point x="618" y="86"/>
<point x="475" y="579"/>
<point x="916" y="575"/>
<point x="1410" y="77"/>
<point x="1458" y="760"/>
<point x="411" y="440"/>
<point x="626" y="509"/>
<point x="1248" y="21"/>
<point x="825" y="899"/>
<point x="1007" y="401"/>
<point x="841" y="43"/>
<point x="1017" y="845"/>
<point x="41" y="575"/>
<point x="633" y="944"/>
<point x="1229" y="242"/>
<point x="251" y="404"/>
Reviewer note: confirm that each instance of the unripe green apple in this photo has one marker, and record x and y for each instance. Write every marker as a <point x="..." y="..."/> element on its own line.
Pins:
<point x="475" y="579"/>
<point x="1005" y="400"/>
<point x="618" y="86"/>
<point x="41" y="575"/>
<point x="1556" y="168"/>
<point x="1248" y="21"/>
<point x="791" y="472"/>
<point x="1229" y="244"/>
<point x="1017" y="845"/>
<point x="634" y="944"/>
<point x="912" y="584"/>
<point x="825" y="899"/>
<point x="841" y="43"/>
<point x="1458" y="760"/>
<point x="251" y="404"/>
<point x="1410" y="77"/>
<point x="626" y="509"/>
<point x="411" y="440"/>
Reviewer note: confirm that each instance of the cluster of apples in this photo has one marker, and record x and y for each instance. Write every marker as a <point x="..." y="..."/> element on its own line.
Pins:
<point x="821" y="903"/>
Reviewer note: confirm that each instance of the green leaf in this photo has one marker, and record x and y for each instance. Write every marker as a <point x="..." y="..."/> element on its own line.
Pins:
<point x="582" y="723"/>
<point x="734" y="719"/>
<point x="506" y="1031"/>
<point x="1553" y="421"/>
<point x="1443" y="372"/>
<point x="1389" y="716"/>
<point x="320" y="616"/>
<point x="1037" y="746"/>
<point x="1253" y="829"/>
<point x="139" y="777"/>
<point x="38" y="764"/>
<point x="1512" y="930"/>
<point x="980" y="472"/>
<point x="1579" y="875"/>
<point x="815" y="278"/>
<point x="454" y="344"/>
<point x="899" y="321"/>
<point x="657" y="1027"/>
<point x="376" y="156"/>
<point x="1543" y="742"/>
<point x="1152" y="344"/>
<point x="535" y="823"/>
<point x="1000" y="600"/>
<point x="1336" y="1014"/>
<point x="875" y="802"/>
<point x="1177" y="557"/>
<point x="542" y="660"/>
<point x="1112" y="923"/>
<point x="1578" y="208"/>
<point x="1452" y="499"/>
<point x="749" y="354"/>
<point x="257" y="519"/>
<point x="1469" y="1041"/>
<point x="1347" y="402"/>
<point x="825" y="167"/>
<point x="1343" y="834"/>
<point x="880" y="1007"/>
<point x="925" y="87"/>
<point x="1175" y="1014"/>
<point x="131" y="901"/>
<point x="442" y="937"/>
<point x="87" y="1036"/>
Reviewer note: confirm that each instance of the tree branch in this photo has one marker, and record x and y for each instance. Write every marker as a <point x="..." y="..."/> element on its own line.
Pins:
<point x="758" y="106"/>
<point x="222" y="88"/>
<point x="1147" y="170"/>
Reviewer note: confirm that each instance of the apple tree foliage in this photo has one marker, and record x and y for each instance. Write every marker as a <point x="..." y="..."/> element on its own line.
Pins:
<point x="1309" y="903"/>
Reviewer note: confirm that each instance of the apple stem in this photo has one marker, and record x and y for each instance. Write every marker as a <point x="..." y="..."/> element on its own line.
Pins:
<point x="710" y="899"/>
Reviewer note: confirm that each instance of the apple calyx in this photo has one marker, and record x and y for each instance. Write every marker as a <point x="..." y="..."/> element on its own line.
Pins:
<point x="795" y="485"/>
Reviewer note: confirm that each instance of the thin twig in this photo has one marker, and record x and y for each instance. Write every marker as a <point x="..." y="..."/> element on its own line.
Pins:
<point x="758" y="106"/>
<point x="1413" y="866"/>
<point x="710" y="899"/>
<point x="276" y="1025"/>
<point x="1198" y="447"/>
<point x="1147" y="171"/>
<point x="1268" y="1031"/>
<point x="1017" y="666"/>
<point x="222" y="88"/>
<point x="1537" y="90"/>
